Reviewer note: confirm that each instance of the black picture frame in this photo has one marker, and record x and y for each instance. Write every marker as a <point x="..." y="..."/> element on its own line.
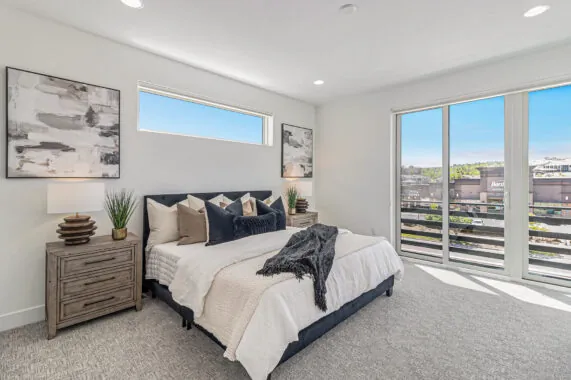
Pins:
<point x="75" y="82"/>
<point x="283" y="174"/>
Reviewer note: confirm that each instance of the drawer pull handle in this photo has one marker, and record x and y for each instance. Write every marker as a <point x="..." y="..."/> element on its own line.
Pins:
<point x="96" y="302"/>
<point x="99" y="261"/>
<point x="98" y="281"/>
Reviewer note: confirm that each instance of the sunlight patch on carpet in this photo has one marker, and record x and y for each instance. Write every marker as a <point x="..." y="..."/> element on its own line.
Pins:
<point x="525" y="294"/>
<point x="453" y="278"/>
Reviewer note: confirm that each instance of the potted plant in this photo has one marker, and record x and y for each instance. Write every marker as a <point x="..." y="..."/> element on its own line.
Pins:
<point x="120" y="206"/>
<point x="292" y="195"/>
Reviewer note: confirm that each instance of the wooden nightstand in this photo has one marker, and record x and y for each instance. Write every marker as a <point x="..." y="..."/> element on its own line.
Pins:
<point x="302" y="220"/>
<point x="91" y="280"/>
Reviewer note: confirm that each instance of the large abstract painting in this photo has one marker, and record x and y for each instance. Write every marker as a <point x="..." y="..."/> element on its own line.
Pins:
<point x="297" y="152"/>
<point x="59" y="128"/>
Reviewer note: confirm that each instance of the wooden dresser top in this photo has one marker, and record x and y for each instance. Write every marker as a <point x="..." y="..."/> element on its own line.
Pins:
<point x="95" y="244"/>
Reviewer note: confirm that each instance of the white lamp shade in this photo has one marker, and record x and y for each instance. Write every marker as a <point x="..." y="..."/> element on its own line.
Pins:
<point x="72" y="197"/>
<point x="305" y="188"/>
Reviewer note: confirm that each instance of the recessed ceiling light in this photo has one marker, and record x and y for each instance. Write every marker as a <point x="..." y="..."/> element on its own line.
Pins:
<point x="536" y="11"/>
<point x="318" y="82"/>
<point x="138" y="4"/>
<point x="348" y="9"/>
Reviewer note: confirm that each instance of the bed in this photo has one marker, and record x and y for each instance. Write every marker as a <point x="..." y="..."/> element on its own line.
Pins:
<point x="298" y="329"/>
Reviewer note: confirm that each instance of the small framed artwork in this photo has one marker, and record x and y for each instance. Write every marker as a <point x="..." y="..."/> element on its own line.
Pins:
<point x="297" y="152"/>
<point x="60" y="128"/>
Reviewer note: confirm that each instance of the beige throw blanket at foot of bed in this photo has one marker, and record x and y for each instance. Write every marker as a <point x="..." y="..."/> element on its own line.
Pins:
<point x="236" y="291"/>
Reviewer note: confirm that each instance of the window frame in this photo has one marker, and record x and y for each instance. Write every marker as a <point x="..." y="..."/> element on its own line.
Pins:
<point x="267" y="118"/>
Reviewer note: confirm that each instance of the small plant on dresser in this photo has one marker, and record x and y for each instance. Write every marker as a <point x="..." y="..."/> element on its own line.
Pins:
<point x="120" y="206"/>
<point x="292" y="195"/>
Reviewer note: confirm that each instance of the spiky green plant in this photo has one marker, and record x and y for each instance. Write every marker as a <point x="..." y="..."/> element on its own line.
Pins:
<point x="120" y="206"/>
<point x="292" y="195"/>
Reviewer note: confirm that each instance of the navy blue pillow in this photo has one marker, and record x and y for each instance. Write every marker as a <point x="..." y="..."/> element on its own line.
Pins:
<point x="276" y="208"/>
<point x="221" y="221"/>
<point x="254" y="225"/>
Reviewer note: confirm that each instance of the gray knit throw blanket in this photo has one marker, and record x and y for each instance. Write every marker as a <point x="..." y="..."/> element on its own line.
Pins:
<point x="308" y="252"/>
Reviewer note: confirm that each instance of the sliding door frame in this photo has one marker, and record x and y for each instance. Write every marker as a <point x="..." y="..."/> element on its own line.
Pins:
<point x="445" y="184"/>
<point x="516" y="181"/>
<point x="509" y="129"/>
<point x="396" y="158"/>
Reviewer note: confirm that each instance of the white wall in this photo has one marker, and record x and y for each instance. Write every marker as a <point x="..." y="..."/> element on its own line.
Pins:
<point x="353" y="160"/>
<point x="150" y="163"/>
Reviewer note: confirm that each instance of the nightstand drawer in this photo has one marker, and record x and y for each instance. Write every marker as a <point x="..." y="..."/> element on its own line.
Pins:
<point x="302" y="223"/>
<point x="76" y="308"/>
<point x="91" y="262"/>
<point x="93" y="283"/>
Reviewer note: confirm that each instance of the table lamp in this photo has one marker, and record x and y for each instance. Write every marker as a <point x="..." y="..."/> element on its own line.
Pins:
<point x="73" y="198"/>
<point x="305" y="189"/>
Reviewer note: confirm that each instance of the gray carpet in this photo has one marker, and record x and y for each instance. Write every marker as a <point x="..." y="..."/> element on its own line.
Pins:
<point x="427" y="330"/>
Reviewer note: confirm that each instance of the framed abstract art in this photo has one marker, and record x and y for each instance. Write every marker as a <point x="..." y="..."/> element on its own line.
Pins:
<point x="297" y="152"/>
<point x="60" y="128"/>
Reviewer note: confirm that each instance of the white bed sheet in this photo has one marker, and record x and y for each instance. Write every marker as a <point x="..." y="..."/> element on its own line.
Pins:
<point x="289" y="304"/>
<point x="288" y="307"/>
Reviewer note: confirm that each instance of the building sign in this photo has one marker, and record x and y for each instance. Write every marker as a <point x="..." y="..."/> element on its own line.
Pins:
<point x="496" y="185"/>
<point x="496" y="188"/>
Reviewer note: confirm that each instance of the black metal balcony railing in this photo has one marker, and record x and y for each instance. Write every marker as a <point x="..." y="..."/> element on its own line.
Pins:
<point x="468" y="238"/>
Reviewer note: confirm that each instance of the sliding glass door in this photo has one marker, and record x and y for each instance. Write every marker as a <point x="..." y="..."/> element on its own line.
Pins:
<point x="487" y="183"/>
<point x="476" y="206"/>
<point x="549" y="165"/>
<point x="421" y="183"/>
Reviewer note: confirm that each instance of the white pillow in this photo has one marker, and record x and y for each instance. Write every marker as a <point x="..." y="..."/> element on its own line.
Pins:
<point x="245" y="198"/>
<point x="163" y="222"/>
<point x="226" y="200"/>
<point x="197" y="204"/>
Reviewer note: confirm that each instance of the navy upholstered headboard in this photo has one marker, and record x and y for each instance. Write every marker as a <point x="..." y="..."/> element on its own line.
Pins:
<point x="171" y="199"/>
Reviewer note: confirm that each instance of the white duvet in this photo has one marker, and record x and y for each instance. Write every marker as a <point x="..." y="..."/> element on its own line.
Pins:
<point x="257" y="317"/>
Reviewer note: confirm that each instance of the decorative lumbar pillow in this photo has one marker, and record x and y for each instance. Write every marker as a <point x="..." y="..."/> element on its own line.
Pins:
<point x="220" y="222"/>
<point x="276" y="207"/>
<point x="191" y="225"/>
<point x="197" y="204"/>
<point x="253" y="225"/>
<point x="163" y="223"/>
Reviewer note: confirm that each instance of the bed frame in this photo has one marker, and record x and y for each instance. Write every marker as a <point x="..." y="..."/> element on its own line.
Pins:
<point x="306" y="336"/>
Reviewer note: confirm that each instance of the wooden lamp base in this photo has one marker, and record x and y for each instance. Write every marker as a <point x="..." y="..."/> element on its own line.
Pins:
<point x="77" y="229"/>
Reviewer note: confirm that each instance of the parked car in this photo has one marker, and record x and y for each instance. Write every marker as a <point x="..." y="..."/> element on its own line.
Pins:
<point x="477" y="222"/>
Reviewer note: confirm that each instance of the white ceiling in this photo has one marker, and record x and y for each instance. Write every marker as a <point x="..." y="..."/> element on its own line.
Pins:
<point x="284" y="45"/>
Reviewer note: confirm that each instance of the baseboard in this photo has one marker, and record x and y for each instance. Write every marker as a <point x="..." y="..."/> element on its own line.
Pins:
<point x="22" y="317"/>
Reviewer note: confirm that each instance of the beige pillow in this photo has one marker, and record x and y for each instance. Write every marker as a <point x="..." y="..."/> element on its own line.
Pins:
<point x="249" y="207"/>
<point x="197" y="203"/>
<point x="163" y="223"/>
<point x="267" y="201"/>
<point x="248" y="204"/>
<point x="191" y="225"/>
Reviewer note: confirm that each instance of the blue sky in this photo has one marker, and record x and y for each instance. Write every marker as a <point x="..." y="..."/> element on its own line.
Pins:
<point x="164" y="114"/>
<point x="477" y="130"/>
